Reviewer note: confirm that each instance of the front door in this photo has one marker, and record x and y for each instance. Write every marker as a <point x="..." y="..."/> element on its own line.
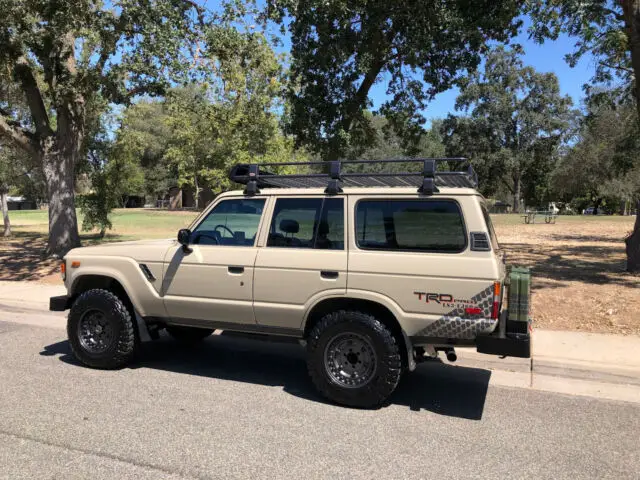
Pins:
<point x="214" y="281"/>
<point x="304" y="257"/>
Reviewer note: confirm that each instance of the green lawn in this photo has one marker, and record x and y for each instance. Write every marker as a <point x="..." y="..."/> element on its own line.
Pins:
<point x="128" y="224"/>
<point x="132" y="224"/>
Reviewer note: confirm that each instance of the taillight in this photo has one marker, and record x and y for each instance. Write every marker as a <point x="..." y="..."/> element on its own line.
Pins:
<point x="497" y="290"/>
<point x="63" y="270"/>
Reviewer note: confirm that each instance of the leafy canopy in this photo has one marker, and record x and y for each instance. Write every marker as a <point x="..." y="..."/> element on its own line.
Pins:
<point x="515" y="124"/>
<point x="601" y="28"/>
<point x="341" y="48"/>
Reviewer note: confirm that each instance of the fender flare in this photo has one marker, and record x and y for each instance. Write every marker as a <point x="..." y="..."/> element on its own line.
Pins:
<point x="378" y="298"/>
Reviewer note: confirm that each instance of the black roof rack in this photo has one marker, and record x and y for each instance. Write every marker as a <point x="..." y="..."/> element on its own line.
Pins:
<point x="427" y="179"/>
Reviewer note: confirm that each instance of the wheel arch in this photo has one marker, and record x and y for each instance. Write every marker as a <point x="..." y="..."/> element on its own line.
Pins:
<point x="379" y="310"/>
<point x="86" y="282"/>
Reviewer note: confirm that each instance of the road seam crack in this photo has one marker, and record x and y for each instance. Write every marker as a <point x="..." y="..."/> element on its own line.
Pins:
<point x="109" y="456"/>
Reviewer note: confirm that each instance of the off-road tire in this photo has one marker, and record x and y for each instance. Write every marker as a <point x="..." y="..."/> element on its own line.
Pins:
<point x="188" y="335"/>
<point x="122" y="348"/>
<point x="388" y="359"/>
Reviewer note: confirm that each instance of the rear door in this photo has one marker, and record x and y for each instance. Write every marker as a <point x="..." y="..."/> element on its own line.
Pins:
<point x="304" y="257"/>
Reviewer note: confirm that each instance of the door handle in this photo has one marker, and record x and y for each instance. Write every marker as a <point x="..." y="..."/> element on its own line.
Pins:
<point x="235" y="270"/>
<point x="329" y="274"/>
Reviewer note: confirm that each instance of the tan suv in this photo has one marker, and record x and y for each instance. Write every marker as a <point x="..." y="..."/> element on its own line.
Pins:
<point x="373" y="272"/>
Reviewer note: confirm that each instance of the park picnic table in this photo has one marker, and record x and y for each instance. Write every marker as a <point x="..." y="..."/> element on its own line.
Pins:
<point x="530" y="217"/>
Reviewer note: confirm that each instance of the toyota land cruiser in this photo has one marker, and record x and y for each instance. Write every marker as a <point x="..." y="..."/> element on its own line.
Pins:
<point x="372" y="272"/>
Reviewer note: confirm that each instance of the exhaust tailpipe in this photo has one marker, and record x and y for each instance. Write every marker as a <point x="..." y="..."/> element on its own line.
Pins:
<point x="451" y="355"/>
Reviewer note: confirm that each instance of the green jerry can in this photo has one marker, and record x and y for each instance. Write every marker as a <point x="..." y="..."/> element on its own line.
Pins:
<point x="519" y="300"/>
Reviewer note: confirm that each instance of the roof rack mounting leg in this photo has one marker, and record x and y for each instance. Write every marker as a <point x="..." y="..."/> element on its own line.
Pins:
<point x="334" y="187"/>
<point x="252" y="184"/>
<point x="428" y="178"/>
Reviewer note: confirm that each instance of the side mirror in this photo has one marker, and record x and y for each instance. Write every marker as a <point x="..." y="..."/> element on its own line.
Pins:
<point x="184" y="235"/>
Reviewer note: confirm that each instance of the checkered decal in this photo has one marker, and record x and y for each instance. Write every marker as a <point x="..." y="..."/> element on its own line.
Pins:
<point x="452" y="325"/>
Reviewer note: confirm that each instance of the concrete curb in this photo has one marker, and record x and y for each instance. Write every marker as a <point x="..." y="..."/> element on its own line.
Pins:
<point x="614" y="374"/>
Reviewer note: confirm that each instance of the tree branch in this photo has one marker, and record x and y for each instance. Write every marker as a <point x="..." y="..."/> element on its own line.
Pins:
<point x="18" y="136"/>
<point x="506" y="184"/>
<point x="361" y="94"/>
<point x="615" y="67"/>
<point x="23" y="73"/>
<point x="109" y="50"/>
<point x="200" y="11"/>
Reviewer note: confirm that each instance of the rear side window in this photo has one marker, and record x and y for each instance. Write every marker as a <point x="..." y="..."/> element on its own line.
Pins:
<point x="308" y="223"/>
<point x="491" y="230"/>
<point x="410" y="225"/>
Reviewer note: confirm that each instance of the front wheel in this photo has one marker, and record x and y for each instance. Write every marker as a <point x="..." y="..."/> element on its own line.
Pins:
<point x="101" y="331"/>
<point x="353" y="359"/>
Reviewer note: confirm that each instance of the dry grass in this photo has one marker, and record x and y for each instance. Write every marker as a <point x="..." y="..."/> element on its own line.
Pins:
<point x="578" y="266"/>
<point x="21" y="255"/>
<point x="578" y="263"/>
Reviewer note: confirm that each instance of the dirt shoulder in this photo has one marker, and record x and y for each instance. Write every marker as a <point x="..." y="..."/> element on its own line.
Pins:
<point x="578" y="267"/>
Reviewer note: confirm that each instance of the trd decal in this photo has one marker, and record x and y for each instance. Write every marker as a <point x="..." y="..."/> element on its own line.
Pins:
<point x="444" y="299"/>
<point x="434" y="297"/>
<point x="456" y="324"/>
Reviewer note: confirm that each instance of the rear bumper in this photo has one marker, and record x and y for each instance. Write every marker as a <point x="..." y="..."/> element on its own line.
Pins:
<point x="509" y="339"/>
<point x="516" y="345"/>
<point x="59" y="304"/>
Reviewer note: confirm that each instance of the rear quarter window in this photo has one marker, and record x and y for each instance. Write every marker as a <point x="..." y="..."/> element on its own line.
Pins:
<point x="490" y="229"/>
<point x="410" y="225"/>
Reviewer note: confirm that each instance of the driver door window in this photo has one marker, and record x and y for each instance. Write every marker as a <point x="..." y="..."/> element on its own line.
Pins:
<point x="231" y="223"/>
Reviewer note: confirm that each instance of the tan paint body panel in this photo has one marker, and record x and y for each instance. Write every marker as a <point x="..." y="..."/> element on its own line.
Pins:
<point x="280" y="286"/>
<point x="121" y="261"/>
<point x="287" y="279"/>
<point x="395" y="277"/>
<point x="200" y="286"/>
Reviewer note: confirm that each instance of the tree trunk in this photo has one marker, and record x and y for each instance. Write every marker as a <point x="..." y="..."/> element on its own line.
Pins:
<point x="596" y="207"/>
<point x="623" y="208"/>
<point x="517" y="192"/>
<point x="5" y="213"/>
<point x="196" y="194"/>
<point x="633" y="245"/>
<point x="59" y="168"/>
<point x="631" y="13"/>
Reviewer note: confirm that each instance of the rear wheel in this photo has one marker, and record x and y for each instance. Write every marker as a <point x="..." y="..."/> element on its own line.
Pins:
<point x="353" y="359"/>
<point x="100" y="330"/>
<point x="188" y="334"/>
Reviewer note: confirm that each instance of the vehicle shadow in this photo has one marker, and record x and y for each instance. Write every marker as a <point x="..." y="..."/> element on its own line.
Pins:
<point x="434" y="386"/>
<point x="592" y="264"/>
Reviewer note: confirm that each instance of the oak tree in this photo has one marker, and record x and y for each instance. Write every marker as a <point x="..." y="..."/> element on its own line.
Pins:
<point x="416" y="49"/>
<point x="517" y="119"/>
<point x="61" y="54"/>
<point x="610" y="31"/>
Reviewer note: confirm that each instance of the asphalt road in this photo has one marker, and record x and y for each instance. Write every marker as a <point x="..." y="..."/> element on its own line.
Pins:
<point x="233" y="408"/>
